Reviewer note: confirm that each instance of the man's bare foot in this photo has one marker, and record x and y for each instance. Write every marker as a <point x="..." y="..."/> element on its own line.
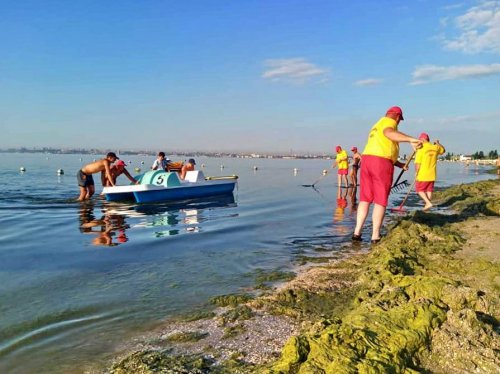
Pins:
<point x="427" y="207"/>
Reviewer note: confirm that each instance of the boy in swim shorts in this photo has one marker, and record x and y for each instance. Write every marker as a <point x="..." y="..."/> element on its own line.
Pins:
<point x="85" y="179"/>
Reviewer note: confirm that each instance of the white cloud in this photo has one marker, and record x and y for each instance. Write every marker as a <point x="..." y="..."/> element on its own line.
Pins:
<point x="477" y="30"/>
<point x="368" y="82"/>
<point x="432" y="73"/>
<point x="471" y="120"/>
<point x="297" y="70"/>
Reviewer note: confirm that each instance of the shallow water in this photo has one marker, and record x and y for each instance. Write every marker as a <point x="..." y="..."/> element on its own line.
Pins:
<point x="78" y="279"/>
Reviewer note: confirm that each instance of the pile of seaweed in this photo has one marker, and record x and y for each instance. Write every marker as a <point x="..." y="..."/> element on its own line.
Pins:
<point x="414" y="311"/>
<point x="409" y="305"/>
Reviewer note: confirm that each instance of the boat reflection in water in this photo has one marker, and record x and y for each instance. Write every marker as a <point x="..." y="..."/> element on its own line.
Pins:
<point x="120" y="221"/>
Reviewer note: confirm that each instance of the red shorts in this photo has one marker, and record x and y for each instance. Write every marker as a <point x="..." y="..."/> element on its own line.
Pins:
<point x="424" y="186"/>
<point x="376" y="179"/>
<point x="342" y="172"/>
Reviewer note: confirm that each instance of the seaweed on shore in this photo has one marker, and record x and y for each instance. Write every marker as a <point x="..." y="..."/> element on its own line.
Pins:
<point x="410" y="288"/>
<point x="410" y="305"/>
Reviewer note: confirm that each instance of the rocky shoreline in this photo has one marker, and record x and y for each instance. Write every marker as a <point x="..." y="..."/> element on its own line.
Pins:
<point x="425" y="299"/>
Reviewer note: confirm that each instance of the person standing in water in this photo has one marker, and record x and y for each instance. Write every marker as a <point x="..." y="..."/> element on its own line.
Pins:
<point x="379" y="157"/>
<point x="425" y="167"/>
<point x="85" y="179"/>
<point x="356" y="159"/>
<point x="342" y="164"/>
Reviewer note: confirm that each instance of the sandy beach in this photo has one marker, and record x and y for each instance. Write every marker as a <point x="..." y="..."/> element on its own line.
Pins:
<point x="424" y="299"/>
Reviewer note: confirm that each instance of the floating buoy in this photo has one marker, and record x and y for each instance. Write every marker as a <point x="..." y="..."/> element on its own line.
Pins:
<point x="80" y="159"/>
<point x="137" y="170"/>
<point x="222" y="166"/>
<point x="325" y="172"/>
<point x="255" y="168"/>
<point x="129" y="162"/>
<point x="295" y="170"/>
<point x="60" y="171"/>
<point x="22" y="169"/>
<point x="142" y="162"/>
<point x="46" y="158"/>
<point x="202" y="165"/>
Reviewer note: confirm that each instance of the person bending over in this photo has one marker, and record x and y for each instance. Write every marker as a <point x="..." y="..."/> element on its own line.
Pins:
<point x="85" y="179"/>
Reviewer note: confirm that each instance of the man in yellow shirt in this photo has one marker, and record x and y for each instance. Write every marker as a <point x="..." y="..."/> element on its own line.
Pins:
<point x="379" y="157"/>
<point x="343" y="165"/>
<point x="425" y="166"/>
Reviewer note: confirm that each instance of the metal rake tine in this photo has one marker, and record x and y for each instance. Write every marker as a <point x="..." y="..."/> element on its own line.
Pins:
<point x="400" y="185"/>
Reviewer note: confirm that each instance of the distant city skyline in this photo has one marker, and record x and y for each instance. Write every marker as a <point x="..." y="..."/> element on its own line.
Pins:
<point x="257" y="76"/>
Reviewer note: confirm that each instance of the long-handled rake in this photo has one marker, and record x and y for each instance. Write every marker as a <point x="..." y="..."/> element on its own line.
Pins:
<point x="316" y="181"/>
<point x="400" y="208"/>
<point x="397" y="184"/>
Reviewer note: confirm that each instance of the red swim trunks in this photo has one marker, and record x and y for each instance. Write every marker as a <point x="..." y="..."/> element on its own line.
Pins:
<point x="376" y="179"/>
<point x="424" y="186"/>
<point x="342" y="172"/>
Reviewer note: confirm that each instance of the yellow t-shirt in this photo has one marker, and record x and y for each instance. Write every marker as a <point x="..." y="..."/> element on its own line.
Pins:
<point x="378" y="144"/>
<point x="342" y="164"/>
<point x="427" y="158"/>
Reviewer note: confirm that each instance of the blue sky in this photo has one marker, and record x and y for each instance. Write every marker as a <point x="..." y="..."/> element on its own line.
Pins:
<point x="248" y="75"/>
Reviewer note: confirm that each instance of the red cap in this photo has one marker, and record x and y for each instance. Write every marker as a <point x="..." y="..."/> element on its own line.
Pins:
<point x="424" y="136"/>
<point x="338" y="148"/>
<point x="354" y="149"/>
<point x="120" y="163"/>
<point x="397" y="110"/>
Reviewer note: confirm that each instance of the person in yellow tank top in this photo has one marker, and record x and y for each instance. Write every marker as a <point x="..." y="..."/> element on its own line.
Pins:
<point x="425" y="167"/>
<point x="378" y="159"/>
<point x="342" y="164"/>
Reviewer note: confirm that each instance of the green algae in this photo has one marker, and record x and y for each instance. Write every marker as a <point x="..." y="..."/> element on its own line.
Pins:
<point x="410" y="286"/>
<point x="408" y="306"/>
<point x="231" y="299"/>
<point x="185" y="337"/>
<point x="149" y="362"/>
<point x="240" y="313"/>
<point x="273" y="276"/>
<point x="233" y="331"/>
<point x="198" y="315"/>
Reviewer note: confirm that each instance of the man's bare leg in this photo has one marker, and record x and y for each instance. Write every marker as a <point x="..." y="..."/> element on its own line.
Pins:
<point x="423" y="196"/>
<point x="377" y="219"/>
<point x="361" y="215"/>
<point x="83" y="194"/>
<point x="91" y="190"/>
<point x="339" y="180"/>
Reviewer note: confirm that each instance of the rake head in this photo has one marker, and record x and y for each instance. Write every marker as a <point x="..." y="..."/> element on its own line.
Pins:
<point x="400" y="186"/>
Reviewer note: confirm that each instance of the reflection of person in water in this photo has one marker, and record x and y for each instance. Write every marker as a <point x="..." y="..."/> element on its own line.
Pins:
<point x="338" y="214"/>
<point x="104" y="229"/>
<point x="353" y="199"/>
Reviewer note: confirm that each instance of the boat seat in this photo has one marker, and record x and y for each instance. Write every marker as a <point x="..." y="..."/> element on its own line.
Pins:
<point x="194" y="176"/>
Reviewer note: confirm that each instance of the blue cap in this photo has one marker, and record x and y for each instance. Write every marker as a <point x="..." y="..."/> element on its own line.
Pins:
<point x="191" y="161"/>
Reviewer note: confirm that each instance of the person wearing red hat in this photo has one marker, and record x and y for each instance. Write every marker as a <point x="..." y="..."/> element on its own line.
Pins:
<point x="356" y="159"/>
<point x="342" y="163"/>
<point x="379" y="157"/>
<point x="116" y="170"/>
<point x="425" y="167"/>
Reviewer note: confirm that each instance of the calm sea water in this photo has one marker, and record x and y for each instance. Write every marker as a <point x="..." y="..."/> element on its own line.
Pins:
<point x="78" y="279"/>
